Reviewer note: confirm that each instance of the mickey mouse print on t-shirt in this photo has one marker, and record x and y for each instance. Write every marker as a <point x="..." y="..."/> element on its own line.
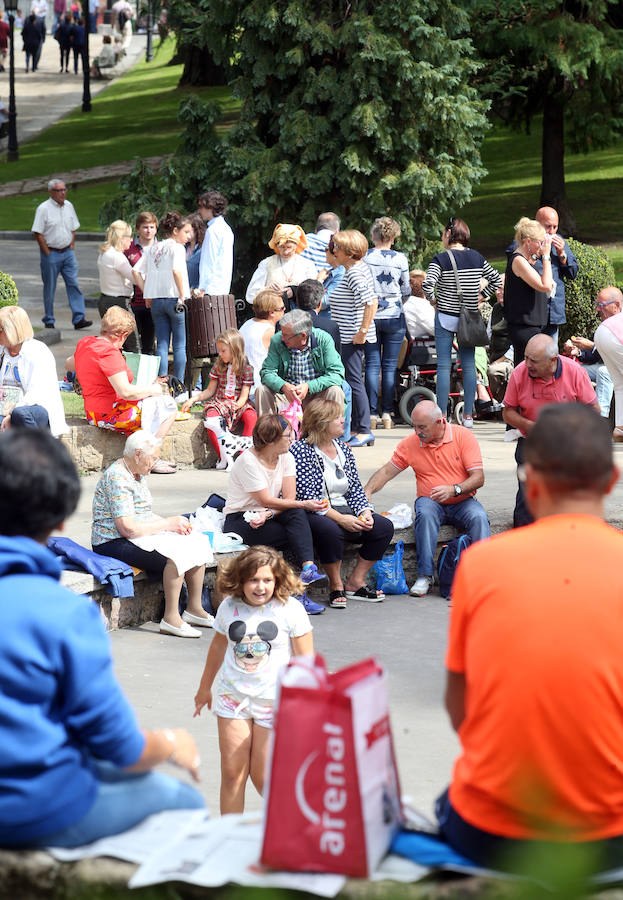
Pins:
<point x="251" y="651"/>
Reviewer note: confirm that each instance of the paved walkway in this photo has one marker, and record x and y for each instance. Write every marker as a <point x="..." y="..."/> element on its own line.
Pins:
<point x="77" y="176"/>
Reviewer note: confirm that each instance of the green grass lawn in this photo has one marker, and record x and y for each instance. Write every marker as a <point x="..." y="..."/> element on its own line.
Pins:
<point x="512" y="189"/>
<point x="135" y="116"/>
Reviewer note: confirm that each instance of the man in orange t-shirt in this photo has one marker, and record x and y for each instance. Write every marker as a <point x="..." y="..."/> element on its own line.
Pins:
<point x="447" y="463"/>
<point x="535" y="668"/>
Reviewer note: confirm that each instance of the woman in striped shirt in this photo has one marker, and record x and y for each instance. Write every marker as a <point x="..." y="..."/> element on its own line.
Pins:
<point x="440" y="288"/>
<point x="353" y="307"/>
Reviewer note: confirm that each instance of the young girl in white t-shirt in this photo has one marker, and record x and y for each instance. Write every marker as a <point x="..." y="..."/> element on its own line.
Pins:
<point x="166" y="289"/>
<point x="258" y="625"/>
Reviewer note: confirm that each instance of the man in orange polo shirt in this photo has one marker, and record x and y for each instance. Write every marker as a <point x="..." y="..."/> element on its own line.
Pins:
<point x="447" y="464"/>
<point x="534" y="662"/>
<point x="544" y="377"/>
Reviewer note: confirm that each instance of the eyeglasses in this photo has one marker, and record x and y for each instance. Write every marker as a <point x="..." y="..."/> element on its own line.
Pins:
<point x="60" y="190"/>
<point x="605" y="303"/>
<point x="278" y="309"/>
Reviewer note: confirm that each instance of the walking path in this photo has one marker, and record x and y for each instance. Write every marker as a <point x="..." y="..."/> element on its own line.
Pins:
<point x="77" y="176"/>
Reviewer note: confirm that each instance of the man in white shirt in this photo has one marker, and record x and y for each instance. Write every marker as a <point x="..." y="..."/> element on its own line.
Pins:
<point x="217" y="251"/>
<point x="54" y="230"/>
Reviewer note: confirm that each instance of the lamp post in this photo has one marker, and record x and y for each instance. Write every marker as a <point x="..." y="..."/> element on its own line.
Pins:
<point x="10" y="7"/>
<point x="86" y="71"/>
<point x="149" y="54"/>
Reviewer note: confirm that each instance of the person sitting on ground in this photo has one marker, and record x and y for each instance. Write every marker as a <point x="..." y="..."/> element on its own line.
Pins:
<point x="122" y="510"/>
<point x="28" y="380"/>
<point x="110" y="399"/>
<point x="227" y="394"/>
<point x="301" y="363"/>
<point x="268" y="308"/>
<point x="261" y="501"/>
<point x="447" y="464"/>
<point x="74" y="766"/>
<point x="286" y="268"/>
<point x="326" y="470"/>
<point x="419" y="312"/>
<point x="106" y="58"/>
<point x="534" y="666"/>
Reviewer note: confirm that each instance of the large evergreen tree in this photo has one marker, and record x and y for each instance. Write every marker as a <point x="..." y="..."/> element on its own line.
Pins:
<point x="360" y="106"/>
<point x="559" y="58"/>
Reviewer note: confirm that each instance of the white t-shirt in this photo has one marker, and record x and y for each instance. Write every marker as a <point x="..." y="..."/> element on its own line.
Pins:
<point x="157" y="265"/>
<point x="56" y="222"/>
<point x="252" y="332"/>
<point x="115" y="273"/>
<point x="335" y="478"/>
<point x="258" y="643"/>
<point x="420" y="317"/>
<point x="248" y="474"/>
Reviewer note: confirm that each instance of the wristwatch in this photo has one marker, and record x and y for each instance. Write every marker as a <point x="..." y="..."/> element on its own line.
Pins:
<point x="458" y="490"/>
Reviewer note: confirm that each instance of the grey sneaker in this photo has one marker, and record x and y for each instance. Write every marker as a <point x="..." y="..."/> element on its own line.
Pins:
<point x="422" y="586"/>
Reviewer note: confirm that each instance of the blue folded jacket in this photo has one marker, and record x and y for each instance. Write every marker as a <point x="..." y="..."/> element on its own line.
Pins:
<point x="116" y="576"/>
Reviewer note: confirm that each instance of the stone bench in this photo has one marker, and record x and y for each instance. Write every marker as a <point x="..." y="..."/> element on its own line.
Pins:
<point x="93" y="449"/>
<point x="147" y="604"/>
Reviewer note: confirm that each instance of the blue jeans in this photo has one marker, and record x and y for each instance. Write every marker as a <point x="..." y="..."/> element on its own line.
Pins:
<point x="52" y="266"/>
<point x="123" y="800"/>
<point x="443" y="344"/>
<point x="167" y="324"/>
<point x="468" y="516"/>
<point x="34" y="416"/>
<point x="604" y="388"/>
<point x="389" y="336"/>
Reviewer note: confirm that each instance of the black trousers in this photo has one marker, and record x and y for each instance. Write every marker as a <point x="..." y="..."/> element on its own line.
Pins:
<point x="150" y="561"/>
<point x="106" y="301"/>
<point x="520" y="335"/>
<point x="521" y="515"/>
<point x="288" y="530"/>
<point x="329" y="538"/>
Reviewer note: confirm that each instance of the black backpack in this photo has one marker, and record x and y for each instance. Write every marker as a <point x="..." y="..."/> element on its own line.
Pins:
<point x="447" y="562"/>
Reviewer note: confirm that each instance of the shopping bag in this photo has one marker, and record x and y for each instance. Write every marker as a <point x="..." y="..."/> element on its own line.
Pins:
<point x="390" y="576"/>
<point x="333" y="795"/>
<point x="292" y="413"/>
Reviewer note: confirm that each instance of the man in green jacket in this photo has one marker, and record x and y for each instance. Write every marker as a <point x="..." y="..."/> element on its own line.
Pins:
<point x="301" y="363"/>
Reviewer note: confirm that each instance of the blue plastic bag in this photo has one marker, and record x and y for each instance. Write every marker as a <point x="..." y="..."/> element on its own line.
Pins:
<point x="390" y="576"/>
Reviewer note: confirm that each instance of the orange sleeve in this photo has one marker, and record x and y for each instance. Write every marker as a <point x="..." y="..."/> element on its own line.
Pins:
<point x="401" y="457"/>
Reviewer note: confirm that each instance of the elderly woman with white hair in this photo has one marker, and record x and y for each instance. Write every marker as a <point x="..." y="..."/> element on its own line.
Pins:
<point x="287" y="268"/>
<point x="122" y="515"/>
<point x="29" y="392"/>
<point x="116" y="277"/>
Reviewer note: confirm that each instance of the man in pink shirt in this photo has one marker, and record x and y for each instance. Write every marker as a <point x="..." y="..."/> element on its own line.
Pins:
<point x="543" y="378"/>
<point x="609" y="343"/>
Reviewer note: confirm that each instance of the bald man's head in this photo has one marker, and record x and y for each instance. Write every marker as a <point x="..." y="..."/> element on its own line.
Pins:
<point x="428" y="421"/>
<point x="541" y="356"/>
<point x="548" y="218"/>
<point x="609" y="302"/>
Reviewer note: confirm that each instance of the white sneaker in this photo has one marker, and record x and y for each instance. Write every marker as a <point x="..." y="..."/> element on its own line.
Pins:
<point x="422" y="586"/>
<point x="373" y="422"/>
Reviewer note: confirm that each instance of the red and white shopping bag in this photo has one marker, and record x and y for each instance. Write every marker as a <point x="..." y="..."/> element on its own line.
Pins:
<point x="333" y="796"/>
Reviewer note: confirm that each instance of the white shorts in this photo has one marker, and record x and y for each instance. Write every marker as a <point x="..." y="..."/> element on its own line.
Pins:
<point x="230" y="704"/>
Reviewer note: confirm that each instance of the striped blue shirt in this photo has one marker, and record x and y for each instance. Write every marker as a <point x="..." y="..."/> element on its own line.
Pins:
<point x="349" y="299"/>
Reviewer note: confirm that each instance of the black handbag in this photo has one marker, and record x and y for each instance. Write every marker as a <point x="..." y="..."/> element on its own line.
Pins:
<point x="471" y="330"/>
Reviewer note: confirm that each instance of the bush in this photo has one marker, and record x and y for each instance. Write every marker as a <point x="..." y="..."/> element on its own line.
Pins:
<point x="595" y="272"/>
<point x="8" y="290"/>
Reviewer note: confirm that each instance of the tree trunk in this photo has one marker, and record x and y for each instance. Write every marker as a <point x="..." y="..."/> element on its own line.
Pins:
<point x="200" y="68"/>
<point x="553" y="190"/>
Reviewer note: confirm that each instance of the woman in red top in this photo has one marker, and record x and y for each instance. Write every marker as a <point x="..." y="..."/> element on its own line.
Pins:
<point x="110" y="399"/>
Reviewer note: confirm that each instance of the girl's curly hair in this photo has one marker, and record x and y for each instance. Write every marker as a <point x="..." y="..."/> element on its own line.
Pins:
<point x="233" y="573"/>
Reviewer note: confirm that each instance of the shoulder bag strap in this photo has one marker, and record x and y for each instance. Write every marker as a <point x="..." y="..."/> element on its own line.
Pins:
<point x="459" y="290"/>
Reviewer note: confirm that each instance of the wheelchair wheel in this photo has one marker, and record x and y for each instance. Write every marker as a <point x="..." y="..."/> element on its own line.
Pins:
<point x="410" y="399"/>
<point x="458" y="412"/>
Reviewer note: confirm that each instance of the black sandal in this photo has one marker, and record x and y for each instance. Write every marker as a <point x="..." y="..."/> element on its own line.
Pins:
<point x="337" y="599"/>
<point x="365" y="593"/>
